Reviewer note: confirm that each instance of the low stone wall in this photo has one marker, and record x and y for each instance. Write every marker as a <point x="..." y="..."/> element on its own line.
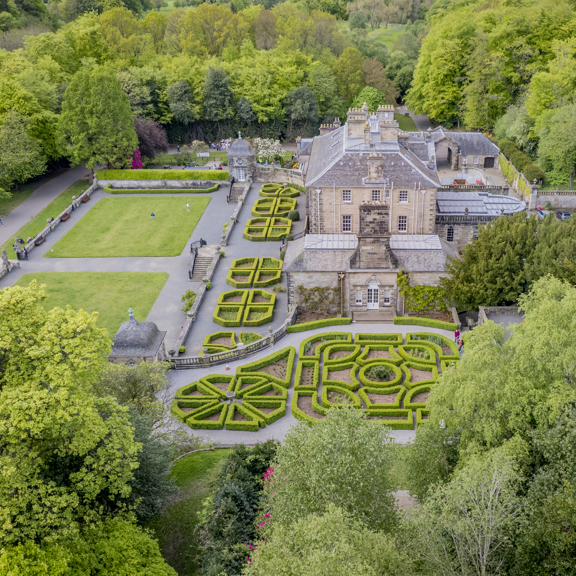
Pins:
<point x="559" y="199"/>
<point x="273" y="174"/>
<point x="159" y="183"/>
<point x="484" y="312"/>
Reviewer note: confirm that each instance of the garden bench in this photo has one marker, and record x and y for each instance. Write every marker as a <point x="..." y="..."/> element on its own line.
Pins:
<point x="65" y="217"/>
<point x="40" y="240"/>
<point x="85" y="198"/>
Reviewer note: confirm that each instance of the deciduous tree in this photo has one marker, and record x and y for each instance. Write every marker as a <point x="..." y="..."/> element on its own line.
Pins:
<point x="92" y="129"/>
<point x="151" y="137"/>
<point x="349" y="73"/>
<point x="218" y="97"/>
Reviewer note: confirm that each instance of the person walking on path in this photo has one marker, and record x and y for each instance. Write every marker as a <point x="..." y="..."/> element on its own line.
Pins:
<point x="456" y="335"/>
<point x="460" y="345"/>
<point x="1" y="223"/>
<point x="152" y="215"/>
<point x="188" y="206"/>
<point x="178" y="148"/>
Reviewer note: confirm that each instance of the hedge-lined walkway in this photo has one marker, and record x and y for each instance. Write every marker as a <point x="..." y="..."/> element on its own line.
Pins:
<point x="278" y="429"/>
<point x="239" y="247"/>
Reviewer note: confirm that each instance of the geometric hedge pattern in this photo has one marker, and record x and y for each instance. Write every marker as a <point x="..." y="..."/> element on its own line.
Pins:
<point x="383" y="375"/>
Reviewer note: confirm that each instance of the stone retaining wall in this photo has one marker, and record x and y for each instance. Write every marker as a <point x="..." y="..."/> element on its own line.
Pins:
<point x="159" y="183"/>
<point x="273" y="174"/>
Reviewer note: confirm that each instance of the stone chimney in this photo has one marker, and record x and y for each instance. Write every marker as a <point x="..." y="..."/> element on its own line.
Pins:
<point x="385" y="112"/>
<point x="367" y="134"/>
<point x="325" y="128"/>
<point x="389" y="131"/>
<point x="337" y="123"/>
<point x="375" y="168"/>
<point x="356" y="119"/>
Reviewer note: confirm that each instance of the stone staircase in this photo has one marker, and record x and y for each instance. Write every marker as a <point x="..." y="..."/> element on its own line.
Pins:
<point x="237" y="190"/>
<point x="203" y="262"/>
<point x="381" y="316"/>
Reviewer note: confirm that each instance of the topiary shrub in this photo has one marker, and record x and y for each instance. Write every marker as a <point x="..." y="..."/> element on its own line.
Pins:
<point x="294" y="215"/>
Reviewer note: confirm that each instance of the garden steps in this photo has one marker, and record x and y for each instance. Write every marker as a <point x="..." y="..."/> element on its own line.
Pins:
<point x="201" y="267"/>
<point x="374" y="316"/>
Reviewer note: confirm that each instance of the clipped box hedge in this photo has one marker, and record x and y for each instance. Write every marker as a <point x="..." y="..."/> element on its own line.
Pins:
<point x="226" y="296"/>
<point x="407" y="424"/>
<point x="261" y="294"/>
<point x="315" y="365"/>
<point x="365" y="379"/>
<point x="353" y="349"/>
<point x="266" y="312"/>
<point x="284" y="206"/>
<point x="255" y="234"/>
<point x="351" y="366"/>
<point x="207" y="390"/>
<point x="300" y="414"/>
<point x="259" y="392"/>
<point x="270" y="190"/>
<point x="428" y="322"/>
<point x="289" y="353"/>
<point x="250" y="337"/>
<point x="276" y="233"/>
<point x="253" y="404"/>
<point x="315" y="324"/>
<point x="216" y="335"/>
<point x="264" y="207"/>
<point x="248" y="263"/>
<point x="269" y="263"/>
<point x="398" y="390"/>
<point x="289" y="192"/>
<point x="258" y="222"/>
<point x="163" y="174"/>
<point x="179" y="403"/>
<point x="267" y="277"/>
<point x="363" y="359"/>
<point x="252" y="424"/>
<point x="404" y="351"/>
<point x="240" y="273"/>
<point x="392" y="338"/>
<point x="246" y="383"/>
<point x="223" y="382"/>
<point x="111" y="190"/>
<point x="445" y="364"/>
<point x="437" y="340"/>
<point x="420" y="413"/>
<point x="228" y="308"/>
<point x="411" y="393"/>
<point x="424" y="367"/>
<point x="196" y="419"/>
<point x="327" y="403"/>
<point x="327" y="338"/>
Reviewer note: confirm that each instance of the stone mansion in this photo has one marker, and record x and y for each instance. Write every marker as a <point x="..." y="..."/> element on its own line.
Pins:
<point x="377" y="203"/>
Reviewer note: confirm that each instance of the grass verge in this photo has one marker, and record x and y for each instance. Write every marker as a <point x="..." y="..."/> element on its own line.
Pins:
<point x="175" y="528"/>
<point x="38" y="223"/>
<point x="108" y="293"/>
<point x="124" y="227"/>
<point x="406" y="123"/>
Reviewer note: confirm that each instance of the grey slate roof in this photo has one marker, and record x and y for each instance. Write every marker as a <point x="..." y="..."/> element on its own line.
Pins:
<point x="138" y="339"/>
<point x="330" y="242"/>
<point x="415" y="242"/>
<point x="478" y="203"/>
<point x="241" y="147"/>
<point x="471" y="143"/>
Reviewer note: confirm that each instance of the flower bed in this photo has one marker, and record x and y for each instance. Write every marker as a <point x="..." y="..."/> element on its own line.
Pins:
<point x="313" y="346"/>
<point x="417" y="397"/>
<point x="265" y="278"/>
<point x="228" y="315"/>
<point x="444" y="347"/>
<point x="258" y="315"/>
<point x="256" y="307"/>
<point x="235" y="297"/>
<point x="376" y="353"/>
<point x="338" y="353"/>
<point x="250" y="263"/>
<point x="380" y="375"/>
<point x="240" y="277"/>
<point x="307" y="375"/>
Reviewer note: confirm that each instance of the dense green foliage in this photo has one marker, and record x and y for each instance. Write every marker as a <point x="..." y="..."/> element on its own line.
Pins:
<point x="73" y="466"/>
<point x="508" y="256"/>
<point x="508" y="66"/>
<point x="230" y="513"/>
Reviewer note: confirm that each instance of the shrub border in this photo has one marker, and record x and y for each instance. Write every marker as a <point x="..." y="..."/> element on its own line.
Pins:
<point x="267" y="272"/>
<point x="230" y="294"/>
<point x="108" y="188"/>
<point x="254" y="424"/>
<point x="359" y="339"/>
<point x="319" y="324"/>
<point x="394" y="424"/>
<point x="289" y="352"/>
<point x="441" y="355"/>
<point x="315" y="374"/>
<point x="396" y="358"/>
<point x="176" y="411"/>
<point x="363" y="393"/>
<point x="402" y="350"/>
<point x="412" y="392"/>
<point x="279" y="263"/>
<point x="208" y="390"/>
<point x="228" y="323"/>
<point x="320" y="347"/>
<point x="153" y="174"/>
<point x="198" y="424"/>
<point x="418" y="366"/>
<point x="355" y="350"/>
<point x="237" y="283"/>
<point x="419" y="413"/>
<point x="341" y="366"/>
<point x="264" y="294"/>
<point x="427" y="322"/>
<point x="268" y="315"/>
<point x="220" y="378"/>
<point x="236" y="266"/>
<point x="348" y="393"/>
<point x="253" y="404"/>
<point x="215" y="336"/>
<point x="301" y="415"/>
<point x="381" y="385"/>
<point x="248" y="233"/>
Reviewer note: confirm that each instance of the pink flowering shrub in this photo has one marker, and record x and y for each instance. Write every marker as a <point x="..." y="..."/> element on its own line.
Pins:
<point x="136" y="160"/>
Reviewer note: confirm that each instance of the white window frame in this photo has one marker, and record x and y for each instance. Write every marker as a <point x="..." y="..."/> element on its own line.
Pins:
<point x="403" y="196"/>
<point x="387" y="194"/>
<point x="450" y="232"/>
<point x="376" y="195"/>
<point x="386" y="298"/>
<point x="346" y="223"/>
<point x="464" y="160"/>
<point x="358" y="299"/>
<point x="475" y="160"/>
<point x="402" y="223"/>
<point x="347" y="196"/>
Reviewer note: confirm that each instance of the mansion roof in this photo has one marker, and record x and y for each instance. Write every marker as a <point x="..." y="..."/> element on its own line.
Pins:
<point x="339" y="160"/>
<point x="477" y="204"/>
<point x="470" y="143"/>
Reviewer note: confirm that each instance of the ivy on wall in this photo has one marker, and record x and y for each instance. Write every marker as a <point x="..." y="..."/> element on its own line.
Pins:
<point x="421" y="298"/>
<point x="318" y="299"/>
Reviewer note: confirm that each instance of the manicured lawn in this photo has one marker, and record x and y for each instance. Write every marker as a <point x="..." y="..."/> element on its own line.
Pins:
<point x="124" y="227"/>
<point x="109" y="293"/>
<point x="388" y="38"/>
<point x="175" y="528"/>
<point x="406" y="123"/>
<point x="57" y="206"/>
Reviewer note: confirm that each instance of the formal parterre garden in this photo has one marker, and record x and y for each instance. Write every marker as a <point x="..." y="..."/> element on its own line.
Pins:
<point x="254" y="272"/>
<point x="227" y="340"/>
<point x="383" y="375"/>
<point x="247" y="307"/>
<point x="270" y="213"/>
